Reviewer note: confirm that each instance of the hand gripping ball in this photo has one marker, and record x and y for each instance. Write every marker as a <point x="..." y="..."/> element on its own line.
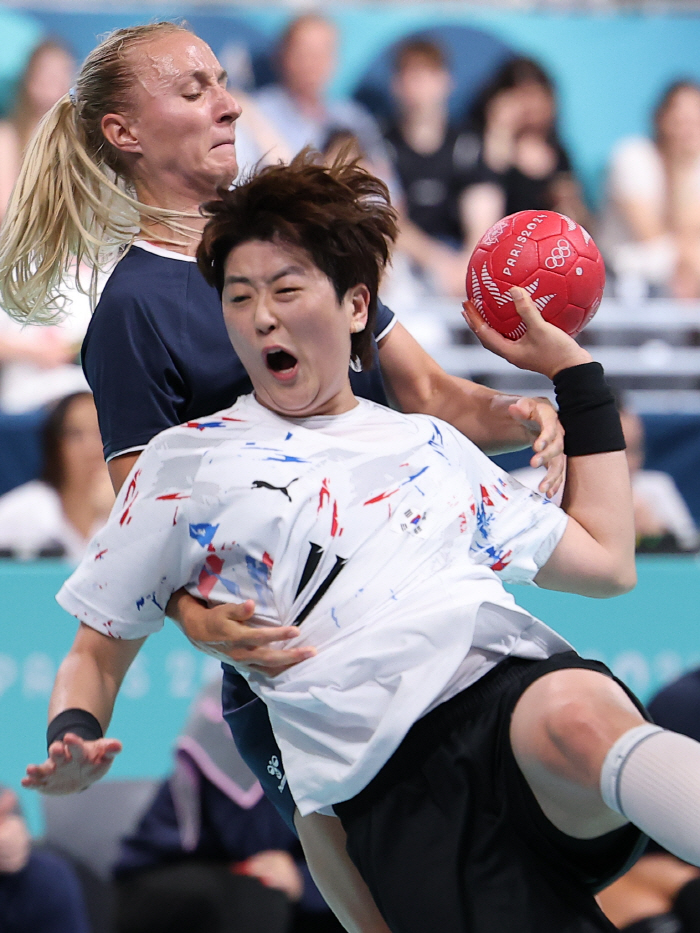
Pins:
<point x="549" y="255"/>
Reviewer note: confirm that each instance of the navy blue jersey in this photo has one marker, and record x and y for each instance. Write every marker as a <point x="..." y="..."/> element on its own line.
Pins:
<point x="157" y="352"/>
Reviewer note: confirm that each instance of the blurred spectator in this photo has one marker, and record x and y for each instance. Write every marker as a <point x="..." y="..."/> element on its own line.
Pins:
<point x="400" y="286"/>
<point x="39" y="364"/>
<point x="39" y="892"/>
<point x="47" y="77"/>
<point x="662" y="520"/>
<point x="449" y="196"/>
<point x="663" y="523"/>
<point x="651" y="228"/>
<point x="211" y="854"/>
<point x="297" y="107"/>
<point x="661" y="894"/>
<point x="257" y="140"/>
<point x="56" y="515"/>
<point x="514" y="119"/>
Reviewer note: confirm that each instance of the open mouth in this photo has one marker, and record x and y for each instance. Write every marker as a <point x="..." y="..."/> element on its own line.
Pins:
<point x="279" y="361"/>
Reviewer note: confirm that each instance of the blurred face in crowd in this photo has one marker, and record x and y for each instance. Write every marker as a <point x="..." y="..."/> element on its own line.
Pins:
<point x="289" y="329"/>
<point x="81" y="444"/>
<point x="421" y="85"/>
<point x="526" y="108"/>
<point x="536" y="107"/>
<point x="181" y="128"/>
<point x="308" y="59"/>
<point x="679" y="123"/>
<point x="50" y="76"/>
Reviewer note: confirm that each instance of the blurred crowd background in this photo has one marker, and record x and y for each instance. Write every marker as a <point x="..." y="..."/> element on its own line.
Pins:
<point x="468" y="114"/>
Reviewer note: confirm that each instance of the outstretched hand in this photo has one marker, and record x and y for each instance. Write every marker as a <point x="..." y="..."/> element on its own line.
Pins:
<point x="73" y="765"/>
<point x="543" y="348"/>
<point x="225" y="633"/>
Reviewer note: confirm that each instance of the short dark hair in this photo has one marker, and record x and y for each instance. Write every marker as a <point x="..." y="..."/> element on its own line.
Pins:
<point x="514" y="72"/>
<point x="340" y="215"/>
<point x="425" y="51"/>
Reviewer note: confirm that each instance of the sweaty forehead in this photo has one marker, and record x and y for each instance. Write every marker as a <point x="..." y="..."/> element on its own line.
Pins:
<point x="164" y="61"/>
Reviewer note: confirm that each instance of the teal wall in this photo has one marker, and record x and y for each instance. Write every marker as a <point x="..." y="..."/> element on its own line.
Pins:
<point x="610" y="67"/>
<point x="647" y="637"/>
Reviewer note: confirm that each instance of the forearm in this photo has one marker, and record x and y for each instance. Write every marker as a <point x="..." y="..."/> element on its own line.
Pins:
<point x="478" y="412"/>
<point x="420" y="385"/>
<point x="595" y="556"/>
<point x="598" y="496"/>
<point x="336" y="877"/>
<point x="91" y="674"/>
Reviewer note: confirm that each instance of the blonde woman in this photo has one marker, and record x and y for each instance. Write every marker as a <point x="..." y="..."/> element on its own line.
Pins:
<point x="125" y="160"/>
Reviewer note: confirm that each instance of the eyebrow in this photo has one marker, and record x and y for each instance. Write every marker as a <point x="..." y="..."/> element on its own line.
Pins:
<point x="203" y="76"/>
<point x="243" y="280"/>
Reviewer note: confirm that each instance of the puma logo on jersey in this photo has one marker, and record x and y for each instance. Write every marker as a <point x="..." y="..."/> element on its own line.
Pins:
<point x="262" y="484"/>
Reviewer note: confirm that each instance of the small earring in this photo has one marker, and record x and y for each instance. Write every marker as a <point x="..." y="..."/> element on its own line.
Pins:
<point x="356" y="364"/>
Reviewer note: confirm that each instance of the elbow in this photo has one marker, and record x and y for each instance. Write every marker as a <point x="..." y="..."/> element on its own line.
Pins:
<point x="620" y="580"/>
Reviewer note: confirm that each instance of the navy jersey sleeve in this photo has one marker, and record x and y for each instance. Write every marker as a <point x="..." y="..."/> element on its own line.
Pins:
<point x="138" y="388"/>
<point x="384" y="322"/>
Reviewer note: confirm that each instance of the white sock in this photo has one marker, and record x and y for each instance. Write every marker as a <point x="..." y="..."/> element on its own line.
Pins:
<point x="652" y="777"/>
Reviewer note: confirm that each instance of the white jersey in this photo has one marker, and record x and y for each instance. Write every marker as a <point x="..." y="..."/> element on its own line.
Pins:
<point x="382" y="536"/>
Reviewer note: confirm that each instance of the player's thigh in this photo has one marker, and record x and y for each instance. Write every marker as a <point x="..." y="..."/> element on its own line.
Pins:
<point x="561" y="729"/>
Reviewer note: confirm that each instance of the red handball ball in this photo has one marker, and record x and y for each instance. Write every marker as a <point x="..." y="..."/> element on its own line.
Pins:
<point x="549" y="255"/>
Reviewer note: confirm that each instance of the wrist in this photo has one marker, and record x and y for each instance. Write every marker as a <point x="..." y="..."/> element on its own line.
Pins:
<point x="576" y="358"/>
<point x="78" y="721"/>
<point x="587" y="411"/>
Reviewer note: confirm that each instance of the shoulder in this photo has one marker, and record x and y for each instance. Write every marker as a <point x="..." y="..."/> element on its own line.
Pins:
<point x="33" y="504"/>
<point x="271" y="97"/>
<point x="199" y="435"/>
<point x="635" y="149"/>
<point x="141" y="275"/>
<point x="35" y="493"/>
<point x="150" y="290"/>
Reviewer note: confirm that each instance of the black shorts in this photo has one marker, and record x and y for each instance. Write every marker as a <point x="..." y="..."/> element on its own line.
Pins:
<point x="450" y="839"/>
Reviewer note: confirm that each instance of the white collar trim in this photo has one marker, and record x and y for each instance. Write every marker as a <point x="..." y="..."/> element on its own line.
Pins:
<point x="161" y="251"/>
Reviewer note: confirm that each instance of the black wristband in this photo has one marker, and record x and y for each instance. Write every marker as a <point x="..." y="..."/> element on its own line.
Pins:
<point x="587" y="411"/>
<point x="77" y="721"/>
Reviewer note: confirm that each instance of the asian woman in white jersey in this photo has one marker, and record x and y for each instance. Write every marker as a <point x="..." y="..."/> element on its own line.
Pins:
<point x="146" y="135"/>
<point x="488" y="777"/>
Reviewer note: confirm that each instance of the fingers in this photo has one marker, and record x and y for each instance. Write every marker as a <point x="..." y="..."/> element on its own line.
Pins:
<point x="238" y="612"/>
<point x="540" y="417"/>
<point x="526" y="307"/>
<point x="273" y="662"/>
<point x="556" y="470"/>
<point x="36" y="775"/>
<point x="486" y="335"/>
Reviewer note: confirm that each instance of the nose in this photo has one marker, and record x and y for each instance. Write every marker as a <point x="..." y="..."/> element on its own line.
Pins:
<point x="264" y="318"/>
<point x="228" y="108"/>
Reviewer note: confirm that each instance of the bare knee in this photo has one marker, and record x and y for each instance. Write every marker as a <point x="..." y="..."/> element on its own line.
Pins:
<point x="566" y="722"/>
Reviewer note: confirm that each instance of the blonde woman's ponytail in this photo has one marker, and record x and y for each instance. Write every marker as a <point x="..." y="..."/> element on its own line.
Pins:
<point x="72" y="205"/>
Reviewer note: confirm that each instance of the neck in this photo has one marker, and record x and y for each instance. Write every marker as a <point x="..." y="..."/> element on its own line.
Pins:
<point x="309" y="102"/>
<point x="182" y="202"/>
<point x="424" y="128"/>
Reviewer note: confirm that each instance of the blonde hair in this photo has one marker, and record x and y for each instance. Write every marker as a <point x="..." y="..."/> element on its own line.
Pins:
<point x="73" y="202"/>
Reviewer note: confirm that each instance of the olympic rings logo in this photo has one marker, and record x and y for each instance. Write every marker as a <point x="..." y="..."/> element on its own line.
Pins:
<point x="559" y="255"/>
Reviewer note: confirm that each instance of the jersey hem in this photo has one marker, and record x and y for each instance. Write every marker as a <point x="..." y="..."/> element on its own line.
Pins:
<point x="389" y="326"/>
<point x="127" y="450"/>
